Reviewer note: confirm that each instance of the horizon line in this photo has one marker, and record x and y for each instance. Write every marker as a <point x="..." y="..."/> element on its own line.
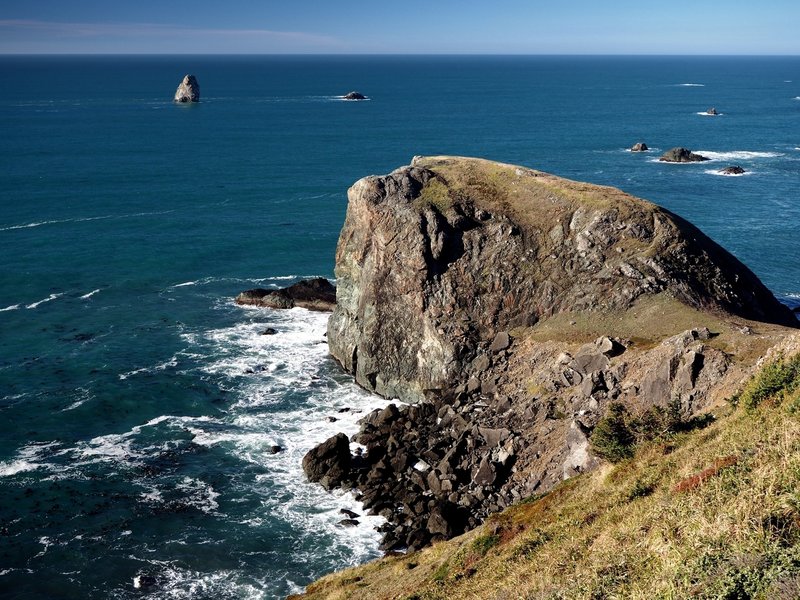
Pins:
<point x="339" y="54"/>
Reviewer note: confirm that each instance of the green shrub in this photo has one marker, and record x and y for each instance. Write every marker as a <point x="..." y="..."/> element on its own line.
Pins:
<point x="612" y="438"/>
<point x="775" y="378"/>
<point x="481" y="545"/>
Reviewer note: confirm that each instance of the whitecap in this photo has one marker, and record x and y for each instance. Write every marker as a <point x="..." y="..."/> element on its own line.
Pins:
<point x="178" y="583"/>
<point x="85" y="219"/>
<point x="738" y="155"/>
<point x="48" y="299"/>
<point x="172" y="362"/>
<point x="83" y="396"/>
<point x="29" y="458"/>
<point x="17" y="466"/>
<point x="691" y="85"/>
<point x="199" y="494"/>
<point x="708" y="114"/>
<point x="12" y="307"/>
<point x="90" y="294"/>
<point x="721" y="174"/>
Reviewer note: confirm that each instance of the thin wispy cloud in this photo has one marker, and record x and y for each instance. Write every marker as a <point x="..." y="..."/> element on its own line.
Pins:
<point x="18" y="34"/>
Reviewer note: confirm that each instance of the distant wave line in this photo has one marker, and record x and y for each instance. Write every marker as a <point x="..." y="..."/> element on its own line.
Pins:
<point x="48" y="299"/>
<point x="82" y="219"/>
<point x="12" y="307"/>
<point x="90" y="294"/>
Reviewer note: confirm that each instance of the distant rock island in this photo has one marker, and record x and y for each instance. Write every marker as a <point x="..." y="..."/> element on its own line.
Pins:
<point x="513" y="309"/>
<point x="732" y="170"/>
<point x="712" y="112"/>
<point x="639" y="147"/>
<point x="681" y="155"/>
<point x="354" y="96"/>
<point x="188" y="90"/>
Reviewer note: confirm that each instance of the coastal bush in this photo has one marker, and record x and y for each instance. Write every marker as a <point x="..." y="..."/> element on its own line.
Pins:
<point x="778" y="378"/>
<point x="612" y="438"/>
<point x="619" y="433"/>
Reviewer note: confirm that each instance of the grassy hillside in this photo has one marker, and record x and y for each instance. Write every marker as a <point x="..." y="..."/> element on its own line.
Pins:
<point x="711" y="513"/>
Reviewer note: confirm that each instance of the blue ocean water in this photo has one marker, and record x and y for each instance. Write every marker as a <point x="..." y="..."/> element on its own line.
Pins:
<point x="139" y="405"/>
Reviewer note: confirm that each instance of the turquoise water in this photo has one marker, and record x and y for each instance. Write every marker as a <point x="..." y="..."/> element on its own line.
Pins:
<point x="139" y="406"/>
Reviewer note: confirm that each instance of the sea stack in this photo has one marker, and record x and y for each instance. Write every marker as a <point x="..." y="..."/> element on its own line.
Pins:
<point x="681" y="155"/>
<point x="188" y="90"/>
<point x="639" y="147"/>
<point x="354" y="96"/>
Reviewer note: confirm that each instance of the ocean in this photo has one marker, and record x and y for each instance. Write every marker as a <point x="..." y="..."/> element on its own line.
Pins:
<point x="140" y="407"/>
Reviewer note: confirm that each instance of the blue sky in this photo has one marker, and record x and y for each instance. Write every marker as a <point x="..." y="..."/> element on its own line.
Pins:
<point x="407" y="27"/>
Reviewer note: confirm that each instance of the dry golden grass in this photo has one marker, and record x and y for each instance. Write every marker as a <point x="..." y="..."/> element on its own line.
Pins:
<point x="627" y="532"/>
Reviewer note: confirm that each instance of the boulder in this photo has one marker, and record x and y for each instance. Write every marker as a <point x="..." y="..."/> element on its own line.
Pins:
<point x="639" y="147"/>
<point x="732" y="170"/>
<point x="188" y="90"/>
<point x="354" y="96"/>
<point x="681" y="155"/>
<point x="712" y="111"/>
<point x="312" y="294"/>
<point x="329" y="463"/>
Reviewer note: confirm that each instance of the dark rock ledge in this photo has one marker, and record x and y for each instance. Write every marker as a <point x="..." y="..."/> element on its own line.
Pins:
<point x="313" y="294"/>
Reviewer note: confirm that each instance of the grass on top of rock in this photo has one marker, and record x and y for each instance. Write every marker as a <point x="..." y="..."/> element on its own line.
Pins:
<point x="711" y="513"/>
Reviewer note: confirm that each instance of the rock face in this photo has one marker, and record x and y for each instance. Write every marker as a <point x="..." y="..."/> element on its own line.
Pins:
<point x="188" y="90"/>
<point x="732" y="170"/>
<point x="354" y="96"/>
<point x="681" y="155"/>
<point x="440" y="256"/>
<point x="475" y="291"/>
<point x="313" y="294"/>
<point x="639" y="147"/>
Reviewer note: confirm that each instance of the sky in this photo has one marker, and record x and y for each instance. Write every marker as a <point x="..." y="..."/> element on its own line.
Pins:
<point x="407" y="27"/>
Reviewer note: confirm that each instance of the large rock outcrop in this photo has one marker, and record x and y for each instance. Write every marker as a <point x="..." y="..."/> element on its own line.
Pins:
<point x="512" y="308"/>
<point x="437" y="257"/>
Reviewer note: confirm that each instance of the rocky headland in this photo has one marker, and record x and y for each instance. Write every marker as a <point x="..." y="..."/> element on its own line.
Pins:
<point x="508" y="309"/>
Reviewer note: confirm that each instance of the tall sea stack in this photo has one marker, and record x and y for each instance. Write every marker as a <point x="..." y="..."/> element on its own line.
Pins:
<point x="188" y="90"/>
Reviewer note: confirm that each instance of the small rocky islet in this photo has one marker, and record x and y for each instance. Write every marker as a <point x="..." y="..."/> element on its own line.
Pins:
<point x="681" y="155"/>
<point x="593" y="298"/>
<point x="188" y="90"/>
